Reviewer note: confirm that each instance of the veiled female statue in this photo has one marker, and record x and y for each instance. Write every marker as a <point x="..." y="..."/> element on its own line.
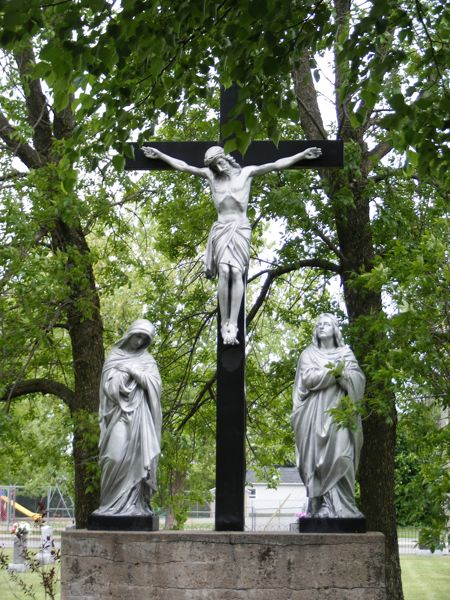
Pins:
<point x="327" y="455"/>
<point x="130" y="424"/>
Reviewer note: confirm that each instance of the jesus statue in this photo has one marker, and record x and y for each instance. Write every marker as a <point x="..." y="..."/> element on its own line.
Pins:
<point x="228" y="247"/>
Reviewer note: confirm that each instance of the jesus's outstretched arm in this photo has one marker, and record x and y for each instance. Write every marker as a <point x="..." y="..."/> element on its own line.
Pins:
<point x="175" y="163"/>
<point x="284" y="163"/>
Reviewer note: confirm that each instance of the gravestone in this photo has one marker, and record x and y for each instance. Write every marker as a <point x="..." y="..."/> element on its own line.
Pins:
<point x="45" y="556"/>
<point x="20" y="546"/>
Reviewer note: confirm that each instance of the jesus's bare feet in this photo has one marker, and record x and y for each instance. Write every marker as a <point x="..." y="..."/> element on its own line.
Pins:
<point x="229" y="333"/>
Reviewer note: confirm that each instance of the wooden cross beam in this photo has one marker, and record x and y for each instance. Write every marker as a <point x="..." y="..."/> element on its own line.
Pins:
<point x="231" y="403"/>
<point x="258" y="153"/>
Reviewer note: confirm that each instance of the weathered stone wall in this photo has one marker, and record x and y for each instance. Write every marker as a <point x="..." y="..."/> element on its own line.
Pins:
<point x="170" y="565"/>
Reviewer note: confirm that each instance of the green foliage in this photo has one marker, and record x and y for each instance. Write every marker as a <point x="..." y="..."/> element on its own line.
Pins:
<point x="36" y="438"/>
<point x="185" y="477"/>
<point x="95" y="46"/>
<point x="336" y="370"/>
<point x="404" y="51"/>
<point x="346" y="413"/>
<point x="422" y="477"/>
<point x="85" y="423"/>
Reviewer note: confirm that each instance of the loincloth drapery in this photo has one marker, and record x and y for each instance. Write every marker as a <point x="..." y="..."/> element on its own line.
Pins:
<point x="228" y="243"/>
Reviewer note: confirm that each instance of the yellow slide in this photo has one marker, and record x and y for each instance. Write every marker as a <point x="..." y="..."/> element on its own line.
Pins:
<point x="22" y="509"/>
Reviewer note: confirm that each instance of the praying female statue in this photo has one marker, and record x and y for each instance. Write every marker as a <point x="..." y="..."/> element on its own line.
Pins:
<point x="327" y="454"/>
<point x="130" y="424"/>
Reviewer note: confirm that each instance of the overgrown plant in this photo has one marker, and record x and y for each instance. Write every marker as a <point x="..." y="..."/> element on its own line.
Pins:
<point x="49" y="575"/>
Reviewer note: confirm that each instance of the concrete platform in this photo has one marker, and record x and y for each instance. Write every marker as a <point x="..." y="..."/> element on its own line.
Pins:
<point x="173" y="565"/>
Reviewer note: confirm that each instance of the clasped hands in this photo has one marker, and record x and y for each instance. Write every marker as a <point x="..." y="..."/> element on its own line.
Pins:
<point x="337" y="369"/>
<point x="133" y="373"/>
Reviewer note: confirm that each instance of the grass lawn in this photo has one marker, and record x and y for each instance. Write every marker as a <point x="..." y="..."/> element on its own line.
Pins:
<point x="11" y="588"/>
<point x="425" y="577"/>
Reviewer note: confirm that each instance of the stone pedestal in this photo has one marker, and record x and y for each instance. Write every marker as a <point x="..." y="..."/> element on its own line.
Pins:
<point x="172" y="565"/>
<point x="326" y="525"/>
<point x="123" y="523"/>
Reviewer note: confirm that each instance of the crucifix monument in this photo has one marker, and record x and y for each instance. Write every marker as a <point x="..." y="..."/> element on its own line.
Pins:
<point x="228" y="248"/>
<point x="227" y="256"/>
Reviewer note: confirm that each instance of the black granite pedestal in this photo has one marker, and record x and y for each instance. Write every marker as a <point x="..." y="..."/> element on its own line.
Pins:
<point x="123" y="523"/>
<point x="327" y="525"/>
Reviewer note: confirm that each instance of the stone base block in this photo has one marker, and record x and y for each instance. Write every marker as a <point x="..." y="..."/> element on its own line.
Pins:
<point x="172" y="565"/>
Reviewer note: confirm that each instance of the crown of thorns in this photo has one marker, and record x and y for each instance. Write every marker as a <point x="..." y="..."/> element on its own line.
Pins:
<point x="213" y="153"/>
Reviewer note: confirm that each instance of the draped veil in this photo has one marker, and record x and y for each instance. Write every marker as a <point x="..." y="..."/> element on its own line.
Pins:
<point x="130" y="426"/>
<point x="327" y="456"/>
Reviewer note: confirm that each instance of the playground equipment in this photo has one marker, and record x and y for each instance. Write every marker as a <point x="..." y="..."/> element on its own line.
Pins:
<point x="22" y="509"/>
<point x="59" y="504"/>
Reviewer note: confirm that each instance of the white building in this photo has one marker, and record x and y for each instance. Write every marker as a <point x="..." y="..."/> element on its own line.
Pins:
<point x="268" y="508"/>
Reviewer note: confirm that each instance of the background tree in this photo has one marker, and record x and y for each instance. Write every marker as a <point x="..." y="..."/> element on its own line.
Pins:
<point x="48" y="280"/>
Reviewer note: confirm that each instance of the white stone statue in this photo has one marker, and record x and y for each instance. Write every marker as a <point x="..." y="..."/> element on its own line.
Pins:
<point x="228" y="249"/>
<point x="130" y="424"/>
<point x="327" y="456"/>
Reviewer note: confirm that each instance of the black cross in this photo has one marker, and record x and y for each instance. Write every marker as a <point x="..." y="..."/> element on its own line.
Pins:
<point x="231" y="404"/>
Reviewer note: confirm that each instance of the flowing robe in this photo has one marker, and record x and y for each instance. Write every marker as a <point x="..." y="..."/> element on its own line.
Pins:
<point x="327" y="456"/>
<point x="228" y="243"/>
<point x="130" y="431"/>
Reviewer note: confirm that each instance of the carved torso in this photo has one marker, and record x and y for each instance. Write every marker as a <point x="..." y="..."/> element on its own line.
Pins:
<point x="230" y="194"/>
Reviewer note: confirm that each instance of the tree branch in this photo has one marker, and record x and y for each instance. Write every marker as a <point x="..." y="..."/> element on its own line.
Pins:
<point x="342" y="8"/>
<point x="326" y="240"/>
<point x="421" y="17"/>
<point x="199" y="401"/>
<point x="64" y="122"/>
<point x="37" y="106"/>
<point x="272" y="274"/>
<point x="380" y="150"/>
<point x="306" y="94"/>
<point x="40" y="386"/>
<point x="22" y="150"/>
<point x="184" y="380"/>
<point x="386" y="174"/>
<point x="23" y="251"/>
<point x="317" y="263"/>
<point x="12" y="175"/>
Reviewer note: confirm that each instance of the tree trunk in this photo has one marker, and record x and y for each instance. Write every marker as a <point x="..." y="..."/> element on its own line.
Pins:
<point x="176" y="489"/>
<point x="376" y="476"/>
<point x="82" y="304"/>
<point x="88" y="358"/>
<point x="349" y="196"/>
<point x="86" y="334"/>
<point x="376" y="470"/>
